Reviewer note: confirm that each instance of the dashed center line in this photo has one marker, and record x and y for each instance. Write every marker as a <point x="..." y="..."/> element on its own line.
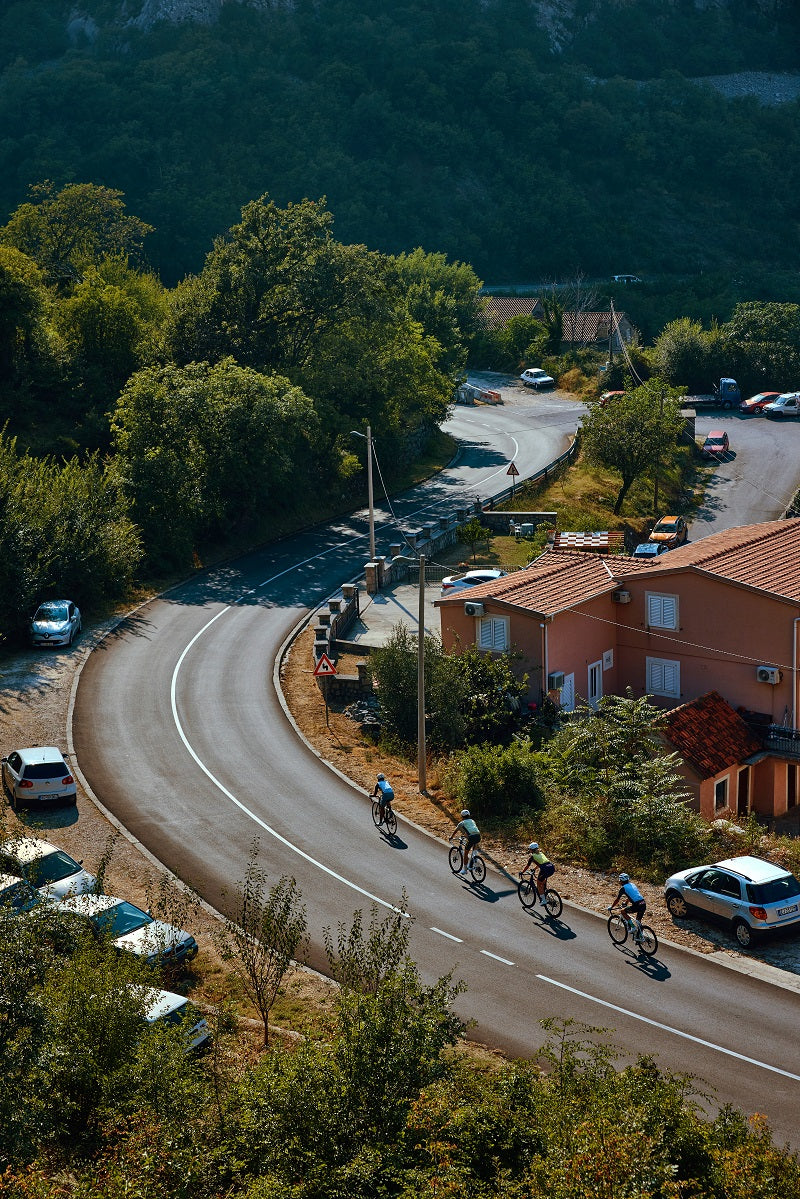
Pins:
<point x="449" y="936"/>
<point x="497" y="958"/>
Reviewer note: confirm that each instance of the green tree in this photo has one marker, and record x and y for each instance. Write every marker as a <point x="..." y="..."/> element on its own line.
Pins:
<point x="633" y="433"/>
<point x="473" y="532"/>
<point x="23" y="304"/>
<point x="67" y="231"/>
<point x="495" y="781"/>
<point x="444" y="298"/>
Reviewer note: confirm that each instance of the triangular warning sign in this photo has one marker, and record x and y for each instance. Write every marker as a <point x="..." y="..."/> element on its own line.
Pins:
<point x="512" y="470"/>
<point x="324" y="667"/>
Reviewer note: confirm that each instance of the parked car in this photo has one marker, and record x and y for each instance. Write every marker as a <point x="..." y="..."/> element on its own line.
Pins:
<point x="670" y="531"/>
<point x="716" y="444"/>
<point x="131" y="929"/>
<point x="51" y="870"/>
<point x="37" y="776"/>
<point x="607" y="396"/>
<point x="453" y="583"/>
<point x="626" y="279"/>
<point x="166" y="1008"/>
<point x="535" y="378"/>
<point x="56" y="622"/>
<point x="756" y="403"/>
<point x="16" y="895"/>
<point x="650" y="550"/>
<point x="787" y="404"/>
<point x="750" y="894"/>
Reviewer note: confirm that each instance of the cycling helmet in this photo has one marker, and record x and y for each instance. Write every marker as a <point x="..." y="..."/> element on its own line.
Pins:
<point x="534" y="845"/>
<point x="465" y="812"/>
<point x="381" y="778"/>
<point x="624" y="878"/>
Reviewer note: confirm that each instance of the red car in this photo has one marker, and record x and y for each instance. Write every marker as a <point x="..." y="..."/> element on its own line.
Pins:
<point x="716" y="445"/>
<point x="755" y="405"/>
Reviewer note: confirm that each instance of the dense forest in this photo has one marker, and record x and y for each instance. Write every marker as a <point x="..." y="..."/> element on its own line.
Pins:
<point x="526" y="146"/>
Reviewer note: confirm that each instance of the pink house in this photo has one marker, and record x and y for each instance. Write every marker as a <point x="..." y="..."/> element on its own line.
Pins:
<point x="719" y="614"/>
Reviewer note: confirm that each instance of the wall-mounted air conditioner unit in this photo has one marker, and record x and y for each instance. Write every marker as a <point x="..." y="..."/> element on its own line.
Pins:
<point x="473" y="609"/>
<point x="621" y="597"/>
<point x="555" y="680"/>
<point x="768" y="674"/>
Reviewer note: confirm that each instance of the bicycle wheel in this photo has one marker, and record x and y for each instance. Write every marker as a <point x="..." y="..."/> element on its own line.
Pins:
<point x="617" y="929"/>
<point x="527" y="893"/>
<point x="552" y="903"/>
<point x="376" y="813"/>
<point x="391" y="822"/>
<point x="648" y="942"/>
<point x="456" y="858"/>
<point x="477" y="867"/>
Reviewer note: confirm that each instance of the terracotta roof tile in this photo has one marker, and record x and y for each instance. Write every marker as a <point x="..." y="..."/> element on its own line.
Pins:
<point x="766" y="556"/>
<point x="710" y="735"/>
<point x="555" y="581"/>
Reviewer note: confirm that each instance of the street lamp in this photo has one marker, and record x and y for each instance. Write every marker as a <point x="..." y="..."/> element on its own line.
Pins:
<point x="368" y="439"/>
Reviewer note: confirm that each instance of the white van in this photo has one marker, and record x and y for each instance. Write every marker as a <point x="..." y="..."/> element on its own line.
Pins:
<point x="787" y="404"/>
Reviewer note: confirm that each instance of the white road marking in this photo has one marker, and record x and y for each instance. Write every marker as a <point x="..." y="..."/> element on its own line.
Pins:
<point x="505" y="961"/>
<point x="449" y="936"/>
<point x="752" y="1061"/>
<point x="243" y="807"/>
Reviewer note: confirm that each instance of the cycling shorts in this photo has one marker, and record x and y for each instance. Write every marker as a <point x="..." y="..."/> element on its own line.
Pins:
<point x="638" y="909"/>
<point x="546" y="869"/>
<point x="473" y="839"/>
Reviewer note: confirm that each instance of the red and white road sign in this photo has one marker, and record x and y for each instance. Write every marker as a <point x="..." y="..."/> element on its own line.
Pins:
<point x="512" y="470"/>
<point x="324" y="667"/>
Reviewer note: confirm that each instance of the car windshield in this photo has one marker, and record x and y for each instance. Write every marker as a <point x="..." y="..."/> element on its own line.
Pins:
<point x="779" y="889"/>
<point x="17" y="896"/>
<point x="51" y="612"/>
<point x="667" y="525"/>
<point x="122" y="918"/>
<point x="51" y="868"/>
<point x="46" y="770"/>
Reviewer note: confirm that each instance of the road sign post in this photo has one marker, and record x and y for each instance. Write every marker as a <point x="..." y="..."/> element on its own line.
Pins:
<point x="325" y="669"/>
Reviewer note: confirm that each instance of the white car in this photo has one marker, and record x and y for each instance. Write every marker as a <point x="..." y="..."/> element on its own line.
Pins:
<point x="131" y="929"/>
<point x="16" y="895"/>
<point x="51" y="870"/>
<point x="787" y="404"/>
<point x="36" y="776"/>
<point x="56" y="622"/>
<point x="472" y="578"/>
<point x="166" y="1008"/>
<point x="535" y="378"/>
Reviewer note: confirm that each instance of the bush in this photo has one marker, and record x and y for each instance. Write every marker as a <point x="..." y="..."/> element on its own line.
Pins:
<point x="495" y="782"/>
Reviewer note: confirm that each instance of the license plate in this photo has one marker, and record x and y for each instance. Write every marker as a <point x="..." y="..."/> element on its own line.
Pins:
<point x="786" y="911"/>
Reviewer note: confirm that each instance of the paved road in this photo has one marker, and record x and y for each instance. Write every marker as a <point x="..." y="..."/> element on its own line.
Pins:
<point x="179" y="730"/>
<point x="759" y="477"/>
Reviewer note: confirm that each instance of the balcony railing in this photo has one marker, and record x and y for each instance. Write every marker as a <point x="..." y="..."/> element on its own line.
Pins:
<point x="782" y="740"/>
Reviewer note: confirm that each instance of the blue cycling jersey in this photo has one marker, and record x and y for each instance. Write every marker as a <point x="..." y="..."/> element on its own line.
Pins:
<point x="385" y="789"/>
<point x="633" y="892"/>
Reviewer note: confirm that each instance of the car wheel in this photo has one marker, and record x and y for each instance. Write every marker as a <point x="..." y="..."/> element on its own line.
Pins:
<point x="743" y="933"/>
<point x="726" y="406"/>
<point x="676" y="905"/>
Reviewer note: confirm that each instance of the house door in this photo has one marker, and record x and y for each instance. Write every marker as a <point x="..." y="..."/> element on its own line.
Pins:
<point x="743" y="792"/>
<point x="568" y="693"/>
<point x="595" y="693"/>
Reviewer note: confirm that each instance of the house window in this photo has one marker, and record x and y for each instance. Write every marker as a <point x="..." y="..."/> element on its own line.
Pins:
<point x="663" y="677"/>
<point x="493" y="633"/>
<point x="662" y="611"/>
<point x="721" y="794"/>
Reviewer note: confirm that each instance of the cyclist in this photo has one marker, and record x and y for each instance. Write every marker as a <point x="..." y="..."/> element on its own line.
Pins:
<point x="635" y="905"/>
<point x="543" y="867"/>
<point x="473" y="837"/>
<point x="382" y="791"/>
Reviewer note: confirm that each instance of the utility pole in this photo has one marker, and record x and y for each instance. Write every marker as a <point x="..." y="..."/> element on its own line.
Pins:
<point x="422" y="766"/>
<point x="371" y="497"/>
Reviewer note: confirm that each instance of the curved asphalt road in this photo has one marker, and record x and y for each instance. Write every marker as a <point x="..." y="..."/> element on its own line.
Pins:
<point x="178" y="728"/>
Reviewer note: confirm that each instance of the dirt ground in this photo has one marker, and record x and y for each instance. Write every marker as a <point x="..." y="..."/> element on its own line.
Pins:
<point x="343" y="744"/>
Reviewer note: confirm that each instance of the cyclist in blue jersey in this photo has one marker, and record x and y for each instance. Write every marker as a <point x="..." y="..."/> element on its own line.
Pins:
<point x="632" y="900"/>
<point x="383" y="792"/>
<point x="470" y="829"/>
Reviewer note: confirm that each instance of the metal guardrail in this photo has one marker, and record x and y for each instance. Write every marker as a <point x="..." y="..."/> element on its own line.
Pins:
<point x="543" y="474"/>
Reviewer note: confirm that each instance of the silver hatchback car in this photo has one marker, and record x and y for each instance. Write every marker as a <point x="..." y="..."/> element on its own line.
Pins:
<point x="56" y="622"/>
<point x="37" y="775"/>
<point x="751" y="895"/>
<point x="52" y="871"/>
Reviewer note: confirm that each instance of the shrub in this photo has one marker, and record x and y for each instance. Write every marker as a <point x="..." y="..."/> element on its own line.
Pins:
<point x="495" y="782"/>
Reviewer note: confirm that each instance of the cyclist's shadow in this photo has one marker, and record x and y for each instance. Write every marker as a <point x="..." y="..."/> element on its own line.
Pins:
<point x="554" y="926"/>
<point x="652" y="967"/>
<point x="484" y="893"/>
<point x="394" y="840"/>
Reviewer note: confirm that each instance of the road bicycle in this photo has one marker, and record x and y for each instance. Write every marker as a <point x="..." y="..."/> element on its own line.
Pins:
<point x="383" y="815"/>
<point x="620" y="925"/>
<point x="477" y="866"/>
<point x="529" y="895"/>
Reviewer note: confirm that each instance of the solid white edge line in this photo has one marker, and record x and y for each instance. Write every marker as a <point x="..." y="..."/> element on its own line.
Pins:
<point x="243" y="807"/>
<point x="687" y="1036"/>
<point x="449" y="936"/>
<point x="505" y="961"/>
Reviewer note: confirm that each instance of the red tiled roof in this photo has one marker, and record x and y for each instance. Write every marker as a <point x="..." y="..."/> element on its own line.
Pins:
<point x="555" y="581"/>
<point x="709" y="735"/>
<point x="577" y="326"/>
<point x="765" y="556"/>
<point x="500" y="309"/>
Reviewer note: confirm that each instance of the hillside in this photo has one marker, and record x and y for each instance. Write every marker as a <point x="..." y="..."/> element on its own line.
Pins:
<point x="531" y="139"/>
